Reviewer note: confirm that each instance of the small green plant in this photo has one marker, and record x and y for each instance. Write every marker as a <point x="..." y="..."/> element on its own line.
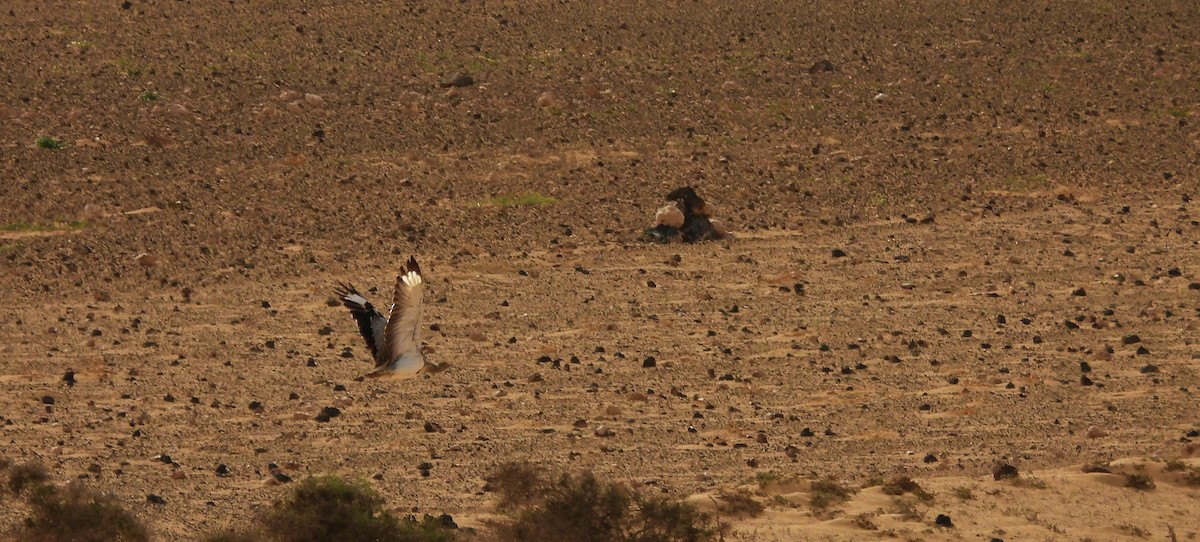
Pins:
<point x="1139" y="481"/>
<point x="766" y="478"/>
<point x="527" y="199"/>
<point x="149" y="96"/>
<point x="33" y="226"/>
<point x="81" y="45"/>
<point x="47" y="142"/>
<point x="828" y="492"/>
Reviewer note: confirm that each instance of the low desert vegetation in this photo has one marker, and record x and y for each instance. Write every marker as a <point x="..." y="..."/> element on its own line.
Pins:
<point x="332" y="508"/>
<point x="47" y="142"/>
<point x="73" y="513"/>
<point x="522" y="200"/>
<point x="541" y="507"/>
<point x="903" y="484"/>
<point x="1139" y="481"/>
<point x="828" y="492"/>
<point x="536" y="507"/>
<point x="739" y="504"/>
<point x="38" y="226"/>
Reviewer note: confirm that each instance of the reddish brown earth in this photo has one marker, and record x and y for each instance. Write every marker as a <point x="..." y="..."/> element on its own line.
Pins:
<point x="1011" y="186"/>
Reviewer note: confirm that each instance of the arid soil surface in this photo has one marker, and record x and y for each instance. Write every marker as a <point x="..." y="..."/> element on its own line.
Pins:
<point x="968" y="239"/>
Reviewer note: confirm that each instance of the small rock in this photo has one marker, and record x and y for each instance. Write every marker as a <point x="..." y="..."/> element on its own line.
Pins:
<point x="604" y="431"/>
<point x="1131" y="339"/>
<point x="1079" y="292"/>
<point x="222" y="470"/>
<point x="69" y="378"/>
<point x="433" y="427"/>
<point x="669" y="215"/>
<point x="146" y="260"/>
<point x="613" y="410"/>
<point x="458" y="81"/>
<point x="546" y="99"/>
<point x="823" y="65"/>
<point x="155" y="499"/>
<point x="838" y="253"/>
<point x="47" y="400"/>
<point x="1096" y="432"/>
<point x="1004" y="471"/>
<point x="943" y="521"/>
<point x="649" y="362"/>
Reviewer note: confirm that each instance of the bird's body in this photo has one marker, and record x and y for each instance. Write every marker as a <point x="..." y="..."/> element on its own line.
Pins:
<point x="394" y="340"/>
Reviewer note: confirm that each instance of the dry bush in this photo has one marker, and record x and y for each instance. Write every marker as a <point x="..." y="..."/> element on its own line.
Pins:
<point x="739" y="504"/>
<point x="828" y="492"/>
<point x="583" y="509"/>
<point x="903" y="484"/>
<point x="78" y="514"/>
<point x="516" y="484"/>
<point x="1139" y="481"/>
<point x="331" y="508"/>
<point x="27" y="475"/>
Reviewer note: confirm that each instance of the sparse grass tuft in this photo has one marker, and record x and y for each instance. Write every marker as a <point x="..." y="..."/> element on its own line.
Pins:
<point x="864" y="522"/>
<point x="79" y="514"/>
<point x="1030" y="482"/>
<point x="828" y="492"/>
<point x="765" y="478"/>
<point x="527" y="199"/>
<point x="1139" y="481"/>
<point x="47" y="142"/>
<point x="35" y="226"/>
<point x="580" y="507"/>
<point x="903" y="484"/>
<point x="149" y="96"/>
<point x="739" y="504"/>
<point x="27" y="476"/>
<point x="906" y="509"/>
<point x="964" y="493"/>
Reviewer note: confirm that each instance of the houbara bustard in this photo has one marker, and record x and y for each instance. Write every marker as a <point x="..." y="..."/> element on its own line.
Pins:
<point x="394" y="340"/>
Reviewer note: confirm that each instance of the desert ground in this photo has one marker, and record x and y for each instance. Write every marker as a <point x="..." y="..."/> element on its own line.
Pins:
<point x="965" y="236"/>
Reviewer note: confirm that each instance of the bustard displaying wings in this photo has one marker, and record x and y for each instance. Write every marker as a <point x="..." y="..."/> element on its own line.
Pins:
<point x="394" y="340"/>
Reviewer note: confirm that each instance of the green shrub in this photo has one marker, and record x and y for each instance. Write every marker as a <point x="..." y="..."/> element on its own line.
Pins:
<point x="331" y="508"/>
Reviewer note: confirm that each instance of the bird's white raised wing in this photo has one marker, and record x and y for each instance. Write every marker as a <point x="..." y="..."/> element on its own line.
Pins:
<point x="402" y="340"/>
